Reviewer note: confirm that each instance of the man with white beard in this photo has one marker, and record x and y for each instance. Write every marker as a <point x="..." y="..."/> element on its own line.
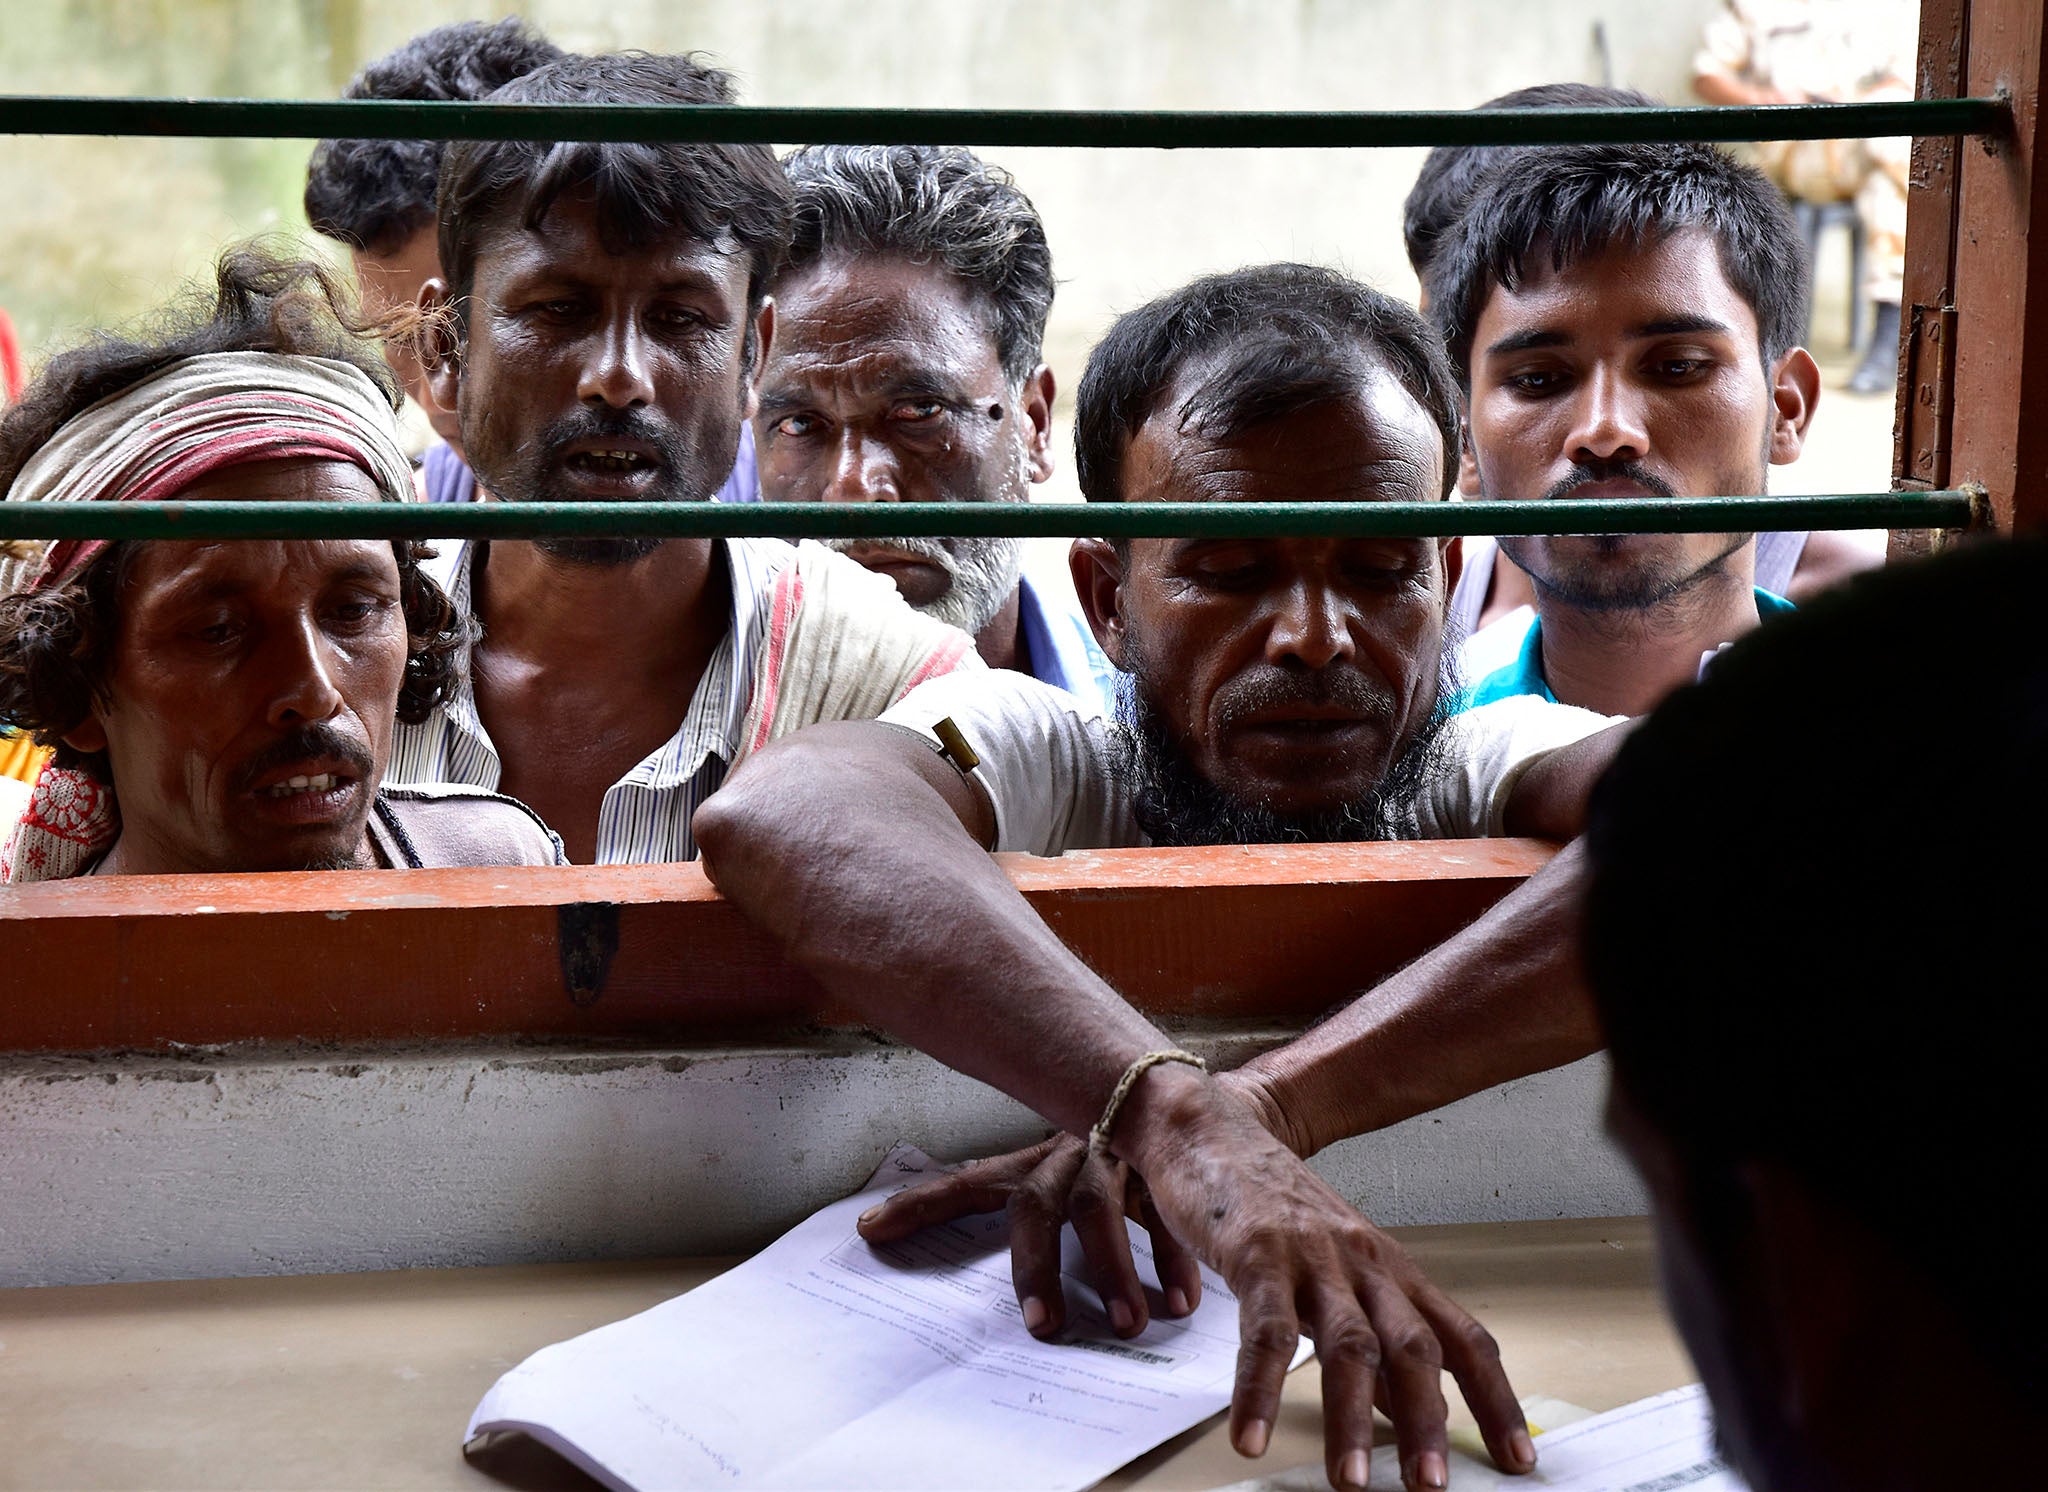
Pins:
<point x="906" y="368"/>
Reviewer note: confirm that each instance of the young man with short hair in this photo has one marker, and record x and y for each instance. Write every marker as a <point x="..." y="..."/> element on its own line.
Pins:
<point x="376" y="197"/>
<point x="606" y="315"/>
<point x="1497" y="599"/>
<point x="1624" y="321"/>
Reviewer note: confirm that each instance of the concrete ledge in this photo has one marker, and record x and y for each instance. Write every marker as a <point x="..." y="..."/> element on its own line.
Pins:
<point x="254" y="1162"/>
<point x="653" y="955"/>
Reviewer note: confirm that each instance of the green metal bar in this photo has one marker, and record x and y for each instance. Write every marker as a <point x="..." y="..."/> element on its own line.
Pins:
<point x="391" y="119"/>
<point x="295" y="520"/>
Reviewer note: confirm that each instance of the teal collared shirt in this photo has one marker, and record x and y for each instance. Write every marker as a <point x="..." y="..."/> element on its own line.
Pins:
<point x="1525" y="674"/>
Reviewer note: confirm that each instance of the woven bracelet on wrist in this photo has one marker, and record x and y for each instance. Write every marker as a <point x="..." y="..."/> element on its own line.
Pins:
<point x="1098" y="1137"/>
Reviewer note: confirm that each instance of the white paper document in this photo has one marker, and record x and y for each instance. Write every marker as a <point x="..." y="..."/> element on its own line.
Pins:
<point x="1660" y="1444"/>
<point x="824" y="1362"/>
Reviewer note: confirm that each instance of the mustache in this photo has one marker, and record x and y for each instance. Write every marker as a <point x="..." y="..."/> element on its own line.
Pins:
<point x="1584" y="473"/>
<point x="307" y="741"/>
<point x="1341" y="687"/>
<point x="934" y="550"/>
<point x="613" y="424"/>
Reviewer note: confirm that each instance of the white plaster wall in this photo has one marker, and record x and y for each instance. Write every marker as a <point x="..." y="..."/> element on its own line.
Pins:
<point x="137" y="1168"/>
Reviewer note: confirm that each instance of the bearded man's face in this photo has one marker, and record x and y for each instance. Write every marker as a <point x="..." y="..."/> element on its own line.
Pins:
<point x="886" y="385"/>
<point x="1286" y="685"/>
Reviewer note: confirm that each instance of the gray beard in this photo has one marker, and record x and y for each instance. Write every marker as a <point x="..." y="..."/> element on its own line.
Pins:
<point x="983" y="573"/>
<point x="1176" y="805"/>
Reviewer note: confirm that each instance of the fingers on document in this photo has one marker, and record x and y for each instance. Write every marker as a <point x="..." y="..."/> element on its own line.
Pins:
<point x="1349" y="1349"/>
<point x="980" y="1186"/>
<point x="1473" y="1358"/>
<point x="1180" y="1274"/>
<point x="1037" y="1209"/>
<point x="1095" y="1205"/>
<point x="1411" y="1367"/>
<point x="1267" y="1330"/>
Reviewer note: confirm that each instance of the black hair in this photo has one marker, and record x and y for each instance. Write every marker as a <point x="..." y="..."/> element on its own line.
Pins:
<point x="1568" y="203"/>
<point x="931" y="204"/>
<point x="645" y="194"/>
<point x="376" y="194"/>
<point x="56" y="645"/>
<point x="1812" y="903"/>
<point x="1450" y="173"/>
<point x="1283" y="338"/>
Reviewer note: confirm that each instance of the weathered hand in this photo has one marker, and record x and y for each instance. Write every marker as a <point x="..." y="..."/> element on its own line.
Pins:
<point x="1300" y="1259"/>
<point x="1055" y="1182"/>
<point x="1052" y="1183"/>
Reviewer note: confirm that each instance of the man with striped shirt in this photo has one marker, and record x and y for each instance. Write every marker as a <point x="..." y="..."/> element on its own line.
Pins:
<point x="603" y="320"/>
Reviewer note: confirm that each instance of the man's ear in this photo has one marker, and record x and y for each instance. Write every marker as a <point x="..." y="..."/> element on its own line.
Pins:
<point x="440" y="344"/>
<point x="89" y="736"/>
<point x="763" y="339"/>
<point x="1036" y="405"/>
<point x="1451" y="555"/>
<point x="1468" y="459"/>
<point x="1795" y="389"/>
<point x="1098" y="572"/>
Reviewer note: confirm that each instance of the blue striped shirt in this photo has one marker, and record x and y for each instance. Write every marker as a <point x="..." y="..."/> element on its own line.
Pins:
<point x="645" y="817"/>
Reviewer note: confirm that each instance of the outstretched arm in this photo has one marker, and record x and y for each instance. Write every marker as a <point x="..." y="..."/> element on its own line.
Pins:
<point x="1501" y="1000"/>
<point x="860" y="851"/>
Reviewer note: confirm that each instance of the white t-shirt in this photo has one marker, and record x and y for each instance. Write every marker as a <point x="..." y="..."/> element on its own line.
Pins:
<point x="1051" y="764"/>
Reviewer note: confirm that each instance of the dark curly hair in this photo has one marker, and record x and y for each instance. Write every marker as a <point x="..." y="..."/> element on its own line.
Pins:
<point x="1285" y="337"/>
<point x="56" y="645"/>
<point x="1450" y="174"/>
<point x="645" y="194"/>
<point x="376" y="194"/>
<point x="1560" y="207"/>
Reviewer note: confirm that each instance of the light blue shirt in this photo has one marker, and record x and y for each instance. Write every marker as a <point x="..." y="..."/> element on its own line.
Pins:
<point x="1059" y="648"/>
<point x="1525" y="674"/>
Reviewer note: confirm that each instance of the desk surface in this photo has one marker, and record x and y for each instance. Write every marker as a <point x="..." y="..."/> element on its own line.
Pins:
<point x="352" y="1381"/>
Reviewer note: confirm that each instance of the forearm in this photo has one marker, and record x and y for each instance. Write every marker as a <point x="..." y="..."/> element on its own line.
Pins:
<point x="1504" y="998"/>
<point x="848" y="852"/>
<point x="1549" y="802"/>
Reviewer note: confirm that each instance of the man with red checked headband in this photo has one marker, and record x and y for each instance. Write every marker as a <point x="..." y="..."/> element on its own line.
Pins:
<point x="224" y="706"/>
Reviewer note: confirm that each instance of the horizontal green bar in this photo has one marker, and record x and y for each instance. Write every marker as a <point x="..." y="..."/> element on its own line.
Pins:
<point x="292" y="520"/>
<point x="391" y="119"/>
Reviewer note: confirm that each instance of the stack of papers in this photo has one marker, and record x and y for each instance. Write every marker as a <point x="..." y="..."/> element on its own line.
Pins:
<point x="824" y="1362"/>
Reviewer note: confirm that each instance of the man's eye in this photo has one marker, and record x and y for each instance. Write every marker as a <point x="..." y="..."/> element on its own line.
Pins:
<point x="1377" y="576"/>
<point x="1536" y="381"/>
<point x="356" y="613"/>
<point x="796" y="424"/>
<point x="560" y="309"/>
<point x="678" y="318"/>
<point x="215" y="634"/>
<point x="1678" y="368"/>
<point x="1227" y="571"/>
<point x="917" y="411"/>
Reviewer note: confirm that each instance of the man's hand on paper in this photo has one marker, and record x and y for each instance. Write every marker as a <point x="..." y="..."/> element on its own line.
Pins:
<point x="1042" y="1188"/>
<point x="1296" y="1255"/>
<point x="1057" y="1181"/>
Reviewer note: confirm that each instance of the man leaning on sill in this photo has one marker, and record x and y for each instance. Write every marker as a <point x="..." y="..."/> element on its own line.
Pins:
<point x="1281" y="690"/>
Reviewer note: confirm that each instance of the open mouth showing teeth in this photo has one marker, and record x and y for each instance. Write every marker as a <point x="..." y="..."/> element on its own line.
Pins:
<point x="322" y="783"/>
<point x="609" y="461"/>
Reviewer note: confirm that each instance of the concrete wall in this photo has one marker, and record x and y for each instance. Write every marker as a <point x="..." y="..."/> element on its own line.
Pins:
<point x="98" y="230"/>
<point x="137" y="1168"/>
